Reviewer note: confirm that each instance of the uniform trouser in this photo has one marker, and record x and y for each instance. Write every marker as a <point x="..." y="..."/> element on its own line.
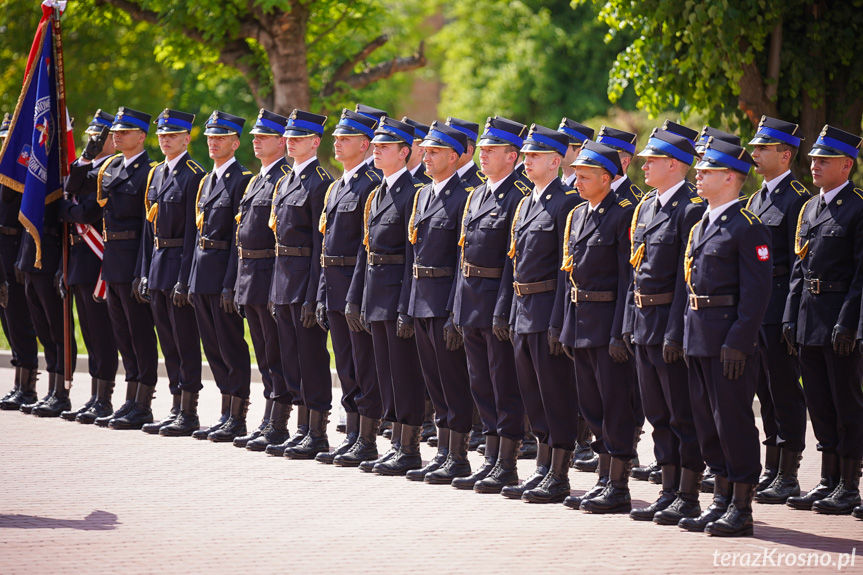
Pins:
<point x="399" y="374"/>
<point x="605" y="400"/>
<point x="834" y="398"/>
<point x="547" y="386"/>
<point x="305" y="360"/>
<point x="783" y="404"/>
<point x="343" y="352"/>
<point x="665" y="396"/>
<point x="95" y="325"/>
<point x="445" y="374"/>
<point x="724" y="419"/>
<point x="46" y="310"/>
<point x="18" y="327"/>
<point x="132" y="323"/>
<point x="265" y="340"/>
<point x="224" y="345"/>
<point x="179" y="340"/>
<point x="493" y="383"/>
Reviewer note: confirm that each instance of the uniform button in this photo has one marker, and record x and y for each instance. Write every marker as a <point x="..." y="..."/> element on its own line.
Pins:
<point x="518" y="253"/>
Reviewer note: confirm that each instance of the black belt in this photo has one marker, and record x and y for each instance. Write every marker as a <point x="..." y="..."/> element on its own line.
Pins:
<point x="817" y="286"/>
<point x="75" y="239"/>
<point x="697" y="302"/>
<point x="644" y="299"/>
<point x="535" y="287"/>
<point x="375" y="259"/>
<point x="9" y="231"/>
<point x="292" y="251"/>
<point x="125" y="235"/>
<point x="162" y="243"/>
<point x="781" y="271"/>
<point x="430" y="272"/>
<point x="337" y="261"/>
<point x="245" y="254"/>
<point x="208" y="244"/>
<point x="580" y="295"/>
<point x="470" y="270"/>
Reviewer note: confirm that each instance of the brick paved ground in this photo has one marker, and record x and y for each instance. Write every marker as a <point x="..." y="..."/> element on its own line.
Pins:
<point x="80" y="499"/>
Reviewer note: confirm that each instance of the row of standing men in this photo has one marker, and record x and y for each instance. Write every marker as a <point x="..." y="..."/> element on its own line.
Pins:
<point x="529" y="296"/>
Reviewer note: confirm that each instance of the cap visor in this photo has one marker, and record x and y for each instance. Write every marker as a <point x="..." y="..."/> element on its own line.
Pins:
<point x="651" y="153"/>
<point x="386" y="139"/>
<point x="298" y="134"/>
<point x="218" y="131"/>
<point x="493" y="142"/>
<point x="527" y="147"/>
<point x="762" y="141"/>
<point x="124" y="128"/>
<point x="170" y="130"/>
<point x="827" y="153"/>
<point x="258" y="131"/>
<point x="704" y="165"/>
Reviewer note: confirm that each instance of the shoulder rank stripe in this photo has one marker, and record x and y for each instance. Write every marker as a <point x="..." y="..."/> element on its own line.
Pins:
<point x="323" y="173"/>
<point x="696" y="200"/>
<point x="194" y="166"/>
<point x="799" y="188"/>
<point x="750" y="216"/>
<point x="859" y="193"/>
<point x="624" y="203"/>
<point x="522" y="187"/>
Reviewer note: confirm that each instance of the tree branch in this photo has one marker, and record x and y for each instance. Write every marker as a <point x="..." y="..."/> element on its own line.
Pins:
<point x="335" y="24"/>
<point x="386" y="69"/>
<point x="342" y="72"/>
<point x="774" y="59"/>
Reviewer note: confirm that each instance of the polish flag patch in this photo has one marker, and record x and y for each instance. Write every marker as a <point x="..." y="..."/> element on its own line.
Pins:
<point x="763" y="253"/>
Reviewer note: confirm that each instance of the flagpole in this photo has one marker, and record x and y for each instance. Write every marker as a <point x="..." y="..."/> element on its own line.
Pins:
<point x="64" y="171"/>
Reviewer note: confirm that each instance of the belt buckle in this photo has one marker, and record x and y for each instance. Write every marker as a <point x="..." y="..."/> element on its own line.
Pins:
<point x="156" y="242"/>
<point x="693" y="302"/>
<point x="201" y="243"/>
<point x="815" y="286"/>
<point x="323" y="264"/>
<point x="573" y="294"/>
<point x="104" y="235"/>
<point x="465" y="269"/>
<point x="416" y="272"/>
<point x="637" y="297"/>
<point x="517" y="288"/>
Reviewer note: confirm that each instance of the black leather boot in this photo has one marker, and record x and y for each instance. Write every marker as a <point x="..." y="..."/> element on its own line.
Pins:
<point x="153" y="428"/>
<point x="588" y="465"/>
<point x="276" y="432"/>
<point x="554" y="487"/>
<point x="102" y="407"/>
<point x="11" y="393"/>
<point x="771" y="468"/>
<point x="226" y="413"/>
<point x="187" y="421"/>
<point x="365" y="448"/>
<point x="456" y="464"/>
<point x="429" y="429"/>
<point x="141" y="413"/>
<point x="443" y="436"/>
<point x="737" y="520"/>
<point x="315" y="441"/>
<point x="25" y="391"/>
<point x="235" y="426"/>
<point x="491" y="452"/>
<point x="603" y="468"/>
<point x="408" y="455"/>
<point x="829" y="481"/>
<point x="707" y="483"/>
<point x="395" y="443"/>
<point x="128" y="404"/>
<point x="643" y="472"/>
<point x="858" y="512"/>
<point x="72" y="414"/>
<point x="667" y="495"/>
<point x="721" y="501"/>
<point x="58" y="402"/>
<point x="352" y="431"/>
<point x="243" y="440"/>
<point x="846" y="496"/>
<point x="686" y="504"/>
<point x="292" y="440"/>
<point x="543" y="465"/>
<point x="785" y="484"/>
<point x="505" y="470"/>
<point x="583" y="450"/>
<point x="615" y="498"/>
<point x="476" y="437"/>
<point x="33" y="399"/>
<point x="385" y="426"/>
<point x="528" y="448"/>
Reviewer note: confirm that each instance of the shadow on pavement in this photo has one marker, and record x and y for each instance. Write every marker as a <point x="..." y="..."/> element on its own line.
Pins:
<point x="96" y="521"/>
<point x="804" y="540"/>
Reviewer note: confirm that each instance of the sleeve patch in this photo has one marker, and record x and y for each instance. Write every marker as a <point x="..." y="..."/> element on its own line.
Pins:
<point x="763" y="253"/>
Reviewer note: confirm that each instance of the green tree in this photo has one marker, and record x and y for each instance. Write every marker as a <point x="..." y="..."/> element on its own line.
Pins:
<point x="736" y="60"/>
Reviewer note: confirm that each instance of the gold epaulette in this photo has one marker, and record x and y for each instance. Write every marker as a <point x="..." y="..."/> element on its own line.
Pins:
<point x="696" y="200"/>
<point x="286" y="169"/>
<point x="194" y="166"/>
<point x="469" y="189"/>
<point x="154" y="163"/>
<point x="799" y="188"/>
<point x="624" y="203"/>
<point x="859" y="193"/>
<point x="750" y="217"/>
<point x="636" y="191"/>
<point x="522" y="187"/>
<point x="482" y="177"/>
<point x="373" y="176"/>
<point x="570" y="192"/>
<point x="323" y="173"/>
<point x="247" y="173"/>
<point x="419" y="185"/>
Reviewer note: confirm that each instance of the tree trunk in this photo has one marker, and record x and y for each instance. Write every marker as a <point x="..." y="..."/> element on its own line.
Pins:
<point x="284" y="42"/>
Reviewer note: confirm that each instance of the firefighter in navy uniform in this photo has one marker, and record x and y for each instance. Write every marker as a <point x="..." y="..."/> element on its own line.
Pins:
<point x="81" y="208"/>
<point x="466" y="168"/>
<point x="298" y="201"/>
<point x="545" y="376"/>
<point x="728" y="269"/>
<point x="168" y="246"/>
<point x="376" y="115"/>
<point x="483" y="300"/>
<point x="256" y="253"/>
<point x="578" y="134"/>
<point x="416" y="166"/>
<point x="120" y="190"/>
<point x="783" y="405"/>
<point x="654" y="322"/>
<point x="822" y="318"/>
<point x="214" y="274"/>
<point x="15" y="317"/>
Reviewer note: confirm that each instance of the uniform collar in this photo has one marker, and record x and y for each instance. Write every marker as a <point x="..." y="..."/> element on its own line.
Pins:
<point x="465" y="169"/>
<point x="829" y="196"/>
<point x="438" y="187"/>
<point x="493" y="186"/>
<point x="298" y="168"/>
<point x="266" y="169"/>
<point x="771" y="185"/>
<point x="173" y="163"/>
<point x="129" y="161"/>
<point x="665" y="196"/>
<point x="714" y="213"/>
<point x="346" y="177"/>
<point x="220" y="171"/>
<point x="617" y="183"/>
<point x="537" y="193"/>
<point x="391" y="180"/>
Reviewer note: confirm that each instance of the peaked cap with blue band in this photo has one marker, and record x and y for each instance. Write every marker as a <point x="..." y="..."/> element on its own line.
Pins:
<point x="772" y="132"/>
<point x="722" y="155"/>
<point x="596" y="155"/>
<point x="174" y="122"/>
<point x="443" y="136"/>
<point x="222" y="124"/>
<point x="269" y="124"/>
<point x="355" y="124"/>
<point x="674" y="128"/>
<point x="369" y="112"/>
<point x="129" y="119"/>
<point x="7" y="122"/>
<point x="100" y="121"/>
<point x="835" y="143"/>
<point x="578" y="133"/>
<point x="707" y="132"/>
<point x="545" y="140"/>
<point x="393" y="131"/>
<point x="302" y="124"/>
<point x="620" y="140"/>
<point x="420" y="129"/>
<point x="470" y="129"/>
<point x="500" y="131"/>
<point x="668" y="144"/>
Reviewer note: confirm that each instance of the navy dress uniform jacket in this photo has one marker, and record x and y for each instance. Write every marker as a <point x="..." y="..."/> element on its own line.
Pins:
<point x="628" y="191"/>
<point x="485" y="242"/>
<point x="216" y="269"/>
<point x="297" y="207"/>
<point x="81" y="186"/>
<point x="170" y="204"/>
<point x="473" y="178"/>
<point x="254" y="233"/>
<point x="121" y="194"/>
